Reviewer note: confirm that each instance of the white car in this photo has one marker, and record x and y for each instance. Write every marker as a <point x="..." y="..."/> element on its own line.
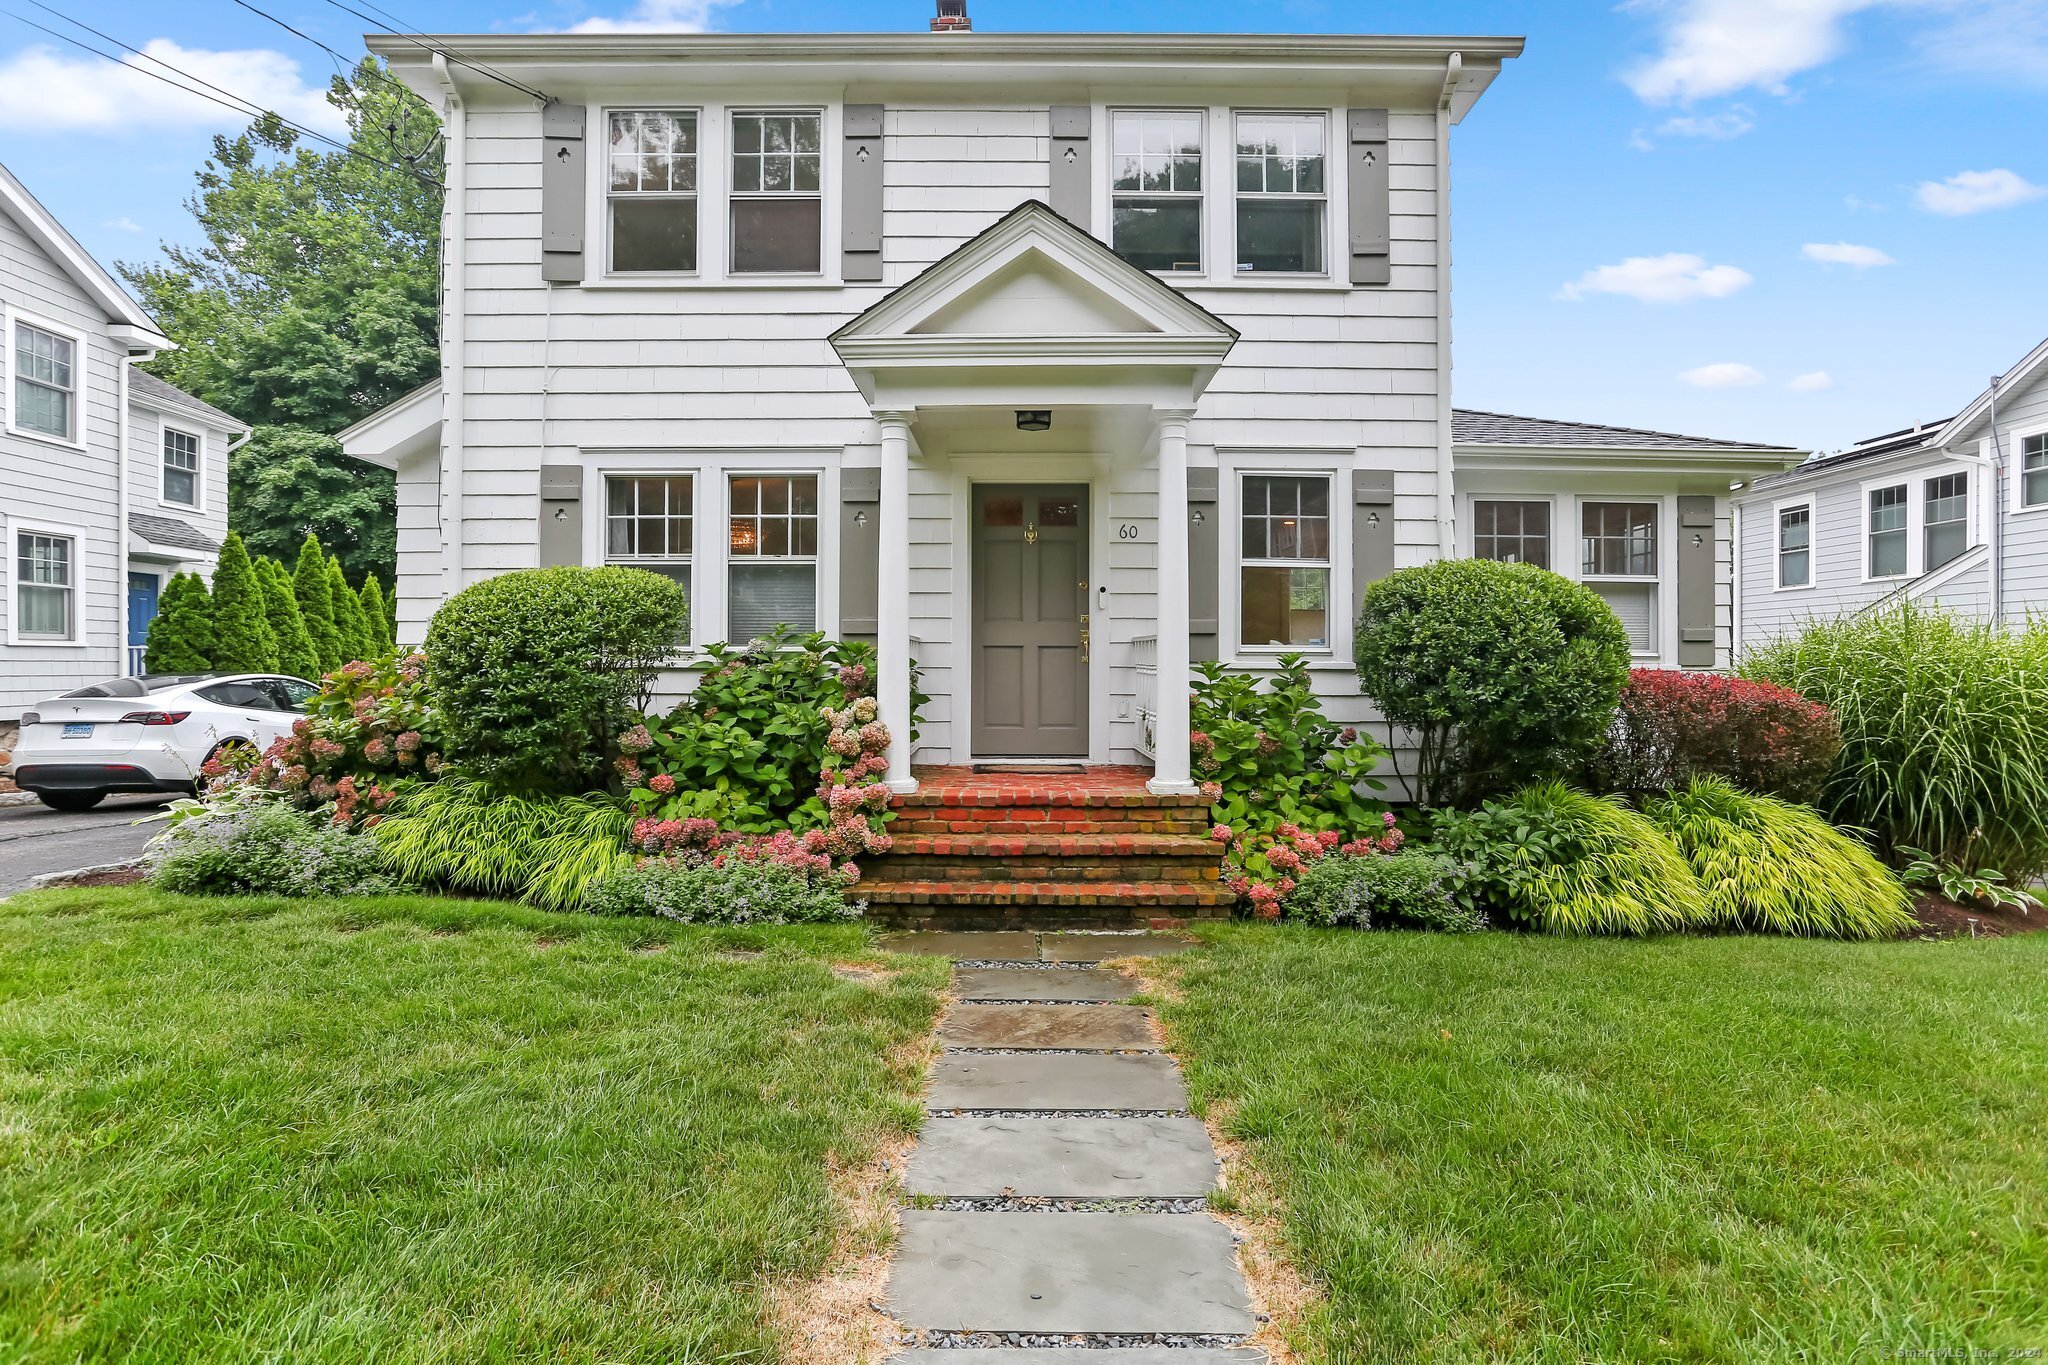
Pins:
<point x="149" y="734"/>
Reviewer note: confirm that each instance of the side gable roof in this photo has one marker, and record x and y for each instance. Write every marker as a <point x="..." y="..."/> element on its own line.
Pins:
<point x="146" y="389"/>
<point x="1964" y="422"/>
<point x="63" y="248"/>
<point x="1474" y="428"/>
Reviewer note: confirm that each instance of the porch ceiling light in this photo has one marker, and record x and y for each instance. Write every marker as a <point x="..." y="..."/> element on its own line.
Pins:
<point x="1033" y="419"/>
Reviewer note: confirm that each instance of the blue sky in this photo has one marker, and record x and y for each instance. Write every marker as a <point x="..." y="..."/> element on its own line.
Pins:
<point x="1804" y="221"/>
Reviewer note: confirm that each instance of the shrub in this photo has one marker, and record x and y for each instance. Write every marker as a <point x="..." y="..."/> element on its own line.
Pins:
<point x="535" y="672"/>
<point x="265" y="848"/>
<point x="242" y="639"/>
<point x="180" y="637"/>
<point x="315" y="594"/>
<point x="367" y="732"/>
<point x="352" y="632"/>
<point x="377" y="618"/>
<point x="1769" y="864"/>
<point x="1944" y="730"/>
<point x="1559" y="860"/>
<point x="1261" y="866"/>
<point x="1501" y="671"/>
<point x="544" y="850"/>
<point x="295" y="653"/>
<point x="1411" y="887"/>
<point x="1673" y="726"/>
<point x="730" y="890"/>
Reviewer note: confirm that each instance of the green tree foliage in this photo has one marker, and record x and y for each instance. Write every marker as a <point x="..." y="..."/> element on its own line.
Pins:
<point x="312" y="303"/>
<point x="180" y="639"/>
<point x="295" y="654"/>
<point x="377" y="617"/>
<point x="315" y="596"/>
<point x="349" y="627"/>
<point x="242" y="639"/>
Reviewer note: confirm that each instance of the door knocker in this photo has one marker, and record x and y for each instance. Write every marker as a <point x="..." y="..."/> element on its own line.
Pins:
<point x="1030" y="533"/>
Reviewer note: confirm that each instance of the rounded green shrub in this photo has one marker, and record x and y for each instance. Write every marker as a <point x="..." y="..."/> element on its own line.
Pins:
<point x="535" y="673"/>
<point x="1769" y="864"/>
<point x="1412" y="888"/>
<point x="1554" y="858"/>
<point x="1501" y="671"/>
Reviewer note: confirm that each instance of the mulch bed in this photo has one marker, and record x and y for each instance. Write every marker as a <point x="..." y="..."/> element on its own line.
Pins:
<point x="1941" y="917"/>
<point x="112" y="876"/>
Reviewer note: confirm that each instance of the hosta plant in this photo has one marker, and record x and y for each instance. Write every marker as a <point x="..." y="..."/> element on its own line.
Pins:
<point x="1961" y="884"/>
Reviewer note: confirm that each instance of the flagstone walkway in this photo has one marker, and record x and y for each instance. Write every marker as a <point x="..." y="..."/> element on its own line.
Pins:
<point x="1056" y="1206"/>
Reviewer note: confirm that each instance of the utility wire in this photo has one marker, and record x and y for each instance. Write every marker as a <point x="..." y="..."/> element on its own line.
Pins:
<point x="351" y="66"/>
<point x="419" y="40"/>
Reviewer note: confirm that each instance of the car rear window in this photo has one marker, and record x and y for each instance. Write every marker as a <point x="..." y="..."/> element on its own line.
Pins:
<point x="249" y="694"/>
<point x="112" y="687"/>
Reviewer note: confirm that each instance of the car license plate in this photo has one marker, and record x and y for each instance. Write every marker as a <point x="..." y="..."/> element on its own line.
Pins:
<point x="77" y="729"/>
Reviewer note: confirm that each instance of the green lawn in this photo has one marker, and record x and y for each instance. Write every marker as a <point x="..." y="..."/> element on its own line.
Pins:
<point x="1519" y="1148"/>
<point x="418" y="1129"/>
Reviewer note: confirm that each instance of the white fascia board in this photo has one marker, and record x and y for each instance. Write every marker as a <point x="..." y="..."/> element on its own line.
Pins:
<point x="1897" y="462"/>
<point x="1961" y="425"/>
<point x="411" y="424"/>
<point x="1736" y="464"/>
<point x="64" y="249"/>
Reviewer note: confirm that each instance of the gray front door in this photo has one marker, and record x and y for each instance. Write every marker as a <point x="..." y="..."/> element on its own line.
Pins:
<point x="1030" y="621"/>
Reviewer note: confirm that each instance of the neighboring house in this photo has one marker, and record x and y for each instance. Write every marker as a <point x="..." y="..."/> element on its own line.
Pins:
<point x="110" y="479"/>
<point x="1952" y="513"/>
<point x="912" y="338"/>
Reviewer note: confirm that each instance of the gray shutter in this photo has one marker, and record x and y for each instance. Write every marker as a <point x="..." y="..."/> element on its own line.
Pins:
<point x="1204" y="541"/>
<point x="561" y="515"/>
<point x="1372" y="529"/>
<point x="1070" y="168"/>
<point x="1371" y="229"/>
<point x="1696" y="581"/>
<point x="860" y="550"/>
<point x="860" y="208"/>
<point x="562" y="179"/>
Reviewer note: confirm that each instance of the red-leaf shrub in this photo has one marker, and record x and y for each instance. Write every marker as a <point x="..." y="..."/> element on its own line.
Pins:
<point x="1674" y="726"/>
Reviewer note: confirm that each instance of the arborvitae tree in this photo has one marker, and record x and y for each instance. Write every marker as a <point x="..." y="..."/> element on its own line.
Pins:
<point x="316" y="604"/>
<point x="376" y="616"/>
<point x="242" y="642"/>
<point x="349" y="625"/>
<point x="295" y="653"/>
<point x="180" y="639"/>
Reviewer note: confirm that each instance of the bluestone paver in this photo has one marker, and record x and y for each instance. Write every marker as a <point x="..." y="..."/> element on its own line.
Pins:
<point x="1068" y="1272"/>
<point x="1097" y="1028"/>
<point x="965" y="946"/>
<point x="1116" y="1355"/>
<point x="1070" y="984"/>
<point x="1056" y="1081"/>
<point x="1063" y="1157"/>
<point x="1102" y="947"/>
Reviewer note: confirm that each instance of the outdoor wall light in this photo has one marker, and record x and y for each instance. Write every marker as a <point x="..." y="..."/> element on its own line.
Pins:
<point x="1033" y="419"/>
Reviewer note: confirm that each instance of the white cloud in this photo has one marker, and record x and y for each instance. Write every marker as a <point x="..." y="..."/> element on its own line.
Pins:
<point x="1810" y="383"/>
<point x="124" y="224"/>
<point x="2007" y="38"/>
<point x="1721" y="127"/>
<point x="1845" y="253"/>
<point x="1856" y="203"/>
<point x="1716" y="47"/>
<point x="1676" y="277"/>
<point x="1728" y="374"/>
<point x="658" y="16"/>
<point x="47" y="91"/>
<point x="1975" y="191"/>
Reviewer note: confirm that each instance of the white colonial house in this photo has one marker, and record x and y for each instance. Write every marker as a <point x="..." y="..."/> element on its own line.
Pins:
<point x="110" y="479"/>
<point x="1953" y="513"/>
<point x="1052" y="362"/>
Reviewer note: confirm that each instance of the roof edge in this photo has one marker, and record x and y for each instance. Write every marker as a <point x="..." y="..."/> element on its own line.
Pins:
<point x="54" y="238"/>
<point x="950" y="47"/>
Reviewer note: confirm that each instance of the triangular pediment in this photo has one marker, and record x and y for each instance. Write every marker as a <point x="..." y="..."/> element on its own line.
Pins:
<point x="1033" y="294"/>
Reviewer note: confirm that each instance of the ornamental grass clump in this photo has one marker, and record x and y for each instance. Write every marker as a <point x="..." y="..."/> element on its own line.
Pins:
<point x="1770" y="865"/>
<point x="1944" y="730"/>
<point x="542" y="850"/>
<point x="1558" y="860"/>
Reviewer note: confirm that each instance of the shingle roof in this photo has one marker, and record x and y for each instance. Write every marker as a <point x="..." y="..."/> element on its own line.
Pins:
<point x="171" y="533"/>
<point x="1926" y="435"/>
<point x="147" y="387"/>
<point x="1469" y="427"/>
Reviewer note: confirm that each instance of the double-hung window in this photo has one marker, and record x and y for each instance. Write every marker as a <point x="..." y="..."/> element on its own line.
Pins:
<point x="649" y="521"/>
<point x="1886" y="531"/>
<point x="772" y="568"/>
<point x="652" y="191"/>
<point x="2034" y="470"/>
<point x="1945" y="527"/>
<point x="1156" y="189"/>
<point x="778" y="205"/>
<point x="1618" y="560"/>
<point x="1512" y="532"/>
<point x="1284" y="584"/>
<point x="181" y="467"/>
<point x="1281" y="193"/>
<point x="1795" y="546"/>
<point x="45" y="586"/>
<point x="45" y="382"/>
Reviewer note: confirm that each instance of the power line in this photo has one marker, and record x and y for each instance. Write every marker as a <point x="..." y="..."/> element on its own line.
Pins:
<point x="418" y="39"/>
<point x="353" y="66"/>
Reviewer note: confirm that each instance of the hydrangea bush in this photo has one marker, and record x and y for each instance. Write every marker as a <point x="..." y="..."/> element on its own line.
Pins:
<point x="1264" y="867"/>
<point x="368" y="730"/>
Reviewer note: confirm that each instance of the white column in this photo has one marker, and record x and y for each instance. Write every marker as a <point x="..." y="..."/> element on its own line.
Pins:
<point x="1170" y="767"/>
<point x="892" y="604"/>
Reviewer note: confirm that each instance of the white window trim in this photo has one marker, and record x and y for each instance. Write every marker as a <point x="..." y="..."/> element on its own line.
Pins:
<point x="15" y="527"/>
<point x="80" y="373"/>
<point x="2012" y="445"/>
<point x="817" y="561"/>
<point x="1664" y="602"/>
<point x="1863" y="492"/>
<point x="827" y="234"/>
<point x="602" y="145"/>
<point x="1205" y="197"/>
<point x="1333" y="195"/>
<point x="1468" y="525"/>
<point x="198" y="503"/>
<point x="1231" y="561"/>
<point x="1778" y="510"/>
<point x="1915" y="481"/>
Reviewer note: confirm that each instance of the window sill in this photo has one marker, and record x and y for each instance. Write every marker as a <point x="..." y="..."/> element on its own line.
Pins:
<point x="1300" y="284"/>
<point x="44" y="438"/>
<point x="698" y="282"/>
<point x="1326" y="662"/>
<point x="33" y="643"/>
<point x="188" y="508"/>
<point x="1795" y="587"/>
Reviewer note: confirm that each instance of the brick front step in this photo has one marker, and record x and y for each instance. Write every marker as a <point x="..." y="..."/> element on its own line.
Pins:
<point x="1041" y="905"/>
<point x="1049" y="824"/>
<point x="1092" y="844"/>
<point x="895" y="867"/>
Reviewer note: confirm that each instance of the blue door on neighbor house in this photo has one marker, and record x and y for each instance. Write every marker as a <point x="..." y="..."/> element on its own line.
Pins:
<point x="142" y="594"/>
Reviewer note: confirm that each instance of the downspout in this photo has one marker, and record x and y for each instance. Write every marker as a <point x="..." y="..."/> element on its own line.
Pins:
<point x="1445" y="500"/>
<point x="1735" y="574"/>
<point x="1997" y="527"/>
<point x="453" y="404"/>
<point x="122" y="497"/>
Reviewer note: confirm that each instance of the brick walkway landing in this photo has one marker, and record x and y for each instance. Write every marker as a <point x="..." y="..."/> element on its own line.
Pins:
<point x="1086" y="849"/>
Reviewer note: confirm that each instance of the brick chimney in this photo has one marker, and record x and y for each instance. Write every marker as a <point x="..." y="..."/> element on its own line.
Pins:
<point x="952" y="18"/>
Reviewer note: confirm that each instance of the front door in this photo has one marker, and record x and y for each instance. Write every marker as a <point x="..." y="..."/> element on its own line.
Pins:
<point x="1030" y="621"/>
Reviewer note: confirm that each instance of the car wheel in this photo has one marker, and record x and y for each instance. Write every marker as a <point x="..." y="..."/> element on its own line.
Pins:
<point x="234" y="753"/>
<point x="71" y="800"/>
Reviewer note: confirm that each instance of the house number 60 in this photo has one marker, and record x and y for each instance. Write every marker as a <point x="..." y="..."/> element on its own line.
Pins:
<point x="1126" y="530"/>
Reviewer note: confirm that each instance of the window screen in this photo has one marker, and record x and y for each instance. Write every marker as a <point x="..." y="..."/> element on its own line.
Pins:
<point x="45" y="382"/>
<point x="777" y="208"/>
<point x="1512" y="532"/>
<point x="1156" y="189"/>
<point x="2034" y="470"/>
<point x="1619" y="539"/>
<point x="1284" y="581"/>
<point x="1947" y="523"/>
<point x="181" y="468"/>
<point x="44" y="586"/>
<point x="649" y="523"/>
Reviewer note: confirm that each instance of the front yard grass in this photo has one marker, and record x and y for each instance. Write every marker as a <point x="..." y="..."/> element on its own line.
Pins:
<point x="418" y="1129"/>
<point x="1496" y="1147"/>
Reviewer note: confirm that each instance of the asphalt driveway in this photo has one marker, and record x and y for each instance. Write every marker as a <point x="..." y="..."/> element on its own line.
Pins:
<point x="35" y="839"/>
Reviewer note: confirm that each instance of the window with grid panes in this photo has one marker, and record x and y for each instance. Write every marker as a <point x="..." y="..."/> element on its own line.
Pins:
<point x="1284" y="574"/>
<point x="43" y="586"/>
<point x="649" y="523"/>
<point x="1795" y="547"/>
<point x="772" y="569"/>
<point x="1945" y="526"/>
<point x="1280" y="193"/>
<point x="45" y="382"/>
<point x="651" y="196"/>
<point x="2034" y="471"/>
<point x="1156" y="189"/>
<point x="1512" y="532"/>
<point x="181" y="468"/>
<point x="777" y="204"/>
<point x="1888" y="531"/>
<point x="1618" y="542"/>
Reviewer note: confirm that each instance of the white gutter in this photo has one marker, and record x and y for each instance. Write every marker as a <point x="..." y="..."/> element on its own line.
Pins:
<point x="1446" y="504"/>
<point x="454" y="204"/>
